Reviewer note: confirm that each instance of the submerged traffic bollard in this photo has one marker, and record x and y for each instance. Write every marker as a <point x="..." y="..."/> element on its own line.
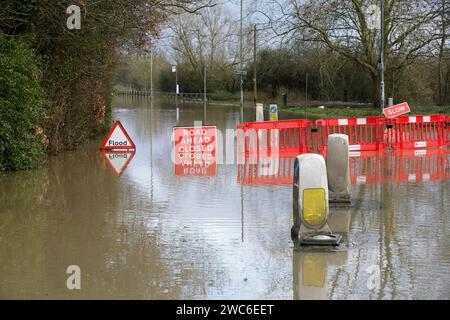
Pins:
<point x="338" y="170"/>
<point x="310" y="202"/>
<point x="390" y="102"/>
<point x="259" y="112"/>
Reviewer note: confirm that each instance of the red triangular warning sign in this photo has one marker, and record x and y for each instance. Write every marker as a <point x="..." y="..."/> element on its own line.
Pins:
<point x="118" y="138"/>
<point x="118" y="160"/>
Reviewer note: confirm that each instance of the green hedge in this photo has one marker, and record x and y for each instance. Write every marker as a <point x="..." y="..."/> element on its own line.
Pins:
<point x="224" y="96"/>
<point x="21" y="106"/>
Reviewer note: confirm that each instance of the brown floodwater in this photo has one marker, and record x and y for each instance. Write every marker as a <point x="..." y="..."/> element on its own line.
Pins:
<point x="150" y="234"/>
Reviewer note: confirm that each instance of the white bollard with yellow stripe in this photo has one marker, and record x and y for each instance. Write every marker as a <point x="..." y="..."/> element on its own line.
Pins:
<point x="310" y="202"/>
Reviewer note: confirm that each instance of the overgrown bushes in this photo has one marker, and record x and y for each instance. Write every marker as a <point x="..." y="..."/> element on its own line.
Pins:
<point x="63" y="101"/>
<point x="21" y="101"/>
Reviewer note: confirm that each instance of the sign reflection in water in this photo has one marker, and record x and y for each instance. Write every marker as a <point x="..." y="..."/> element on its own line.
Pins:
<point x="118" y="161"/>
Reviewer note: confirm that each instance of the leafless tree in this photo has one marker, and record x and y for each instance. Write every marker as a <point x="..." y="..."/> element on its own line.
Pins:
<point x="345" y="27"/>
<point x="207" y="39"/>
<point x="444" y="50"/>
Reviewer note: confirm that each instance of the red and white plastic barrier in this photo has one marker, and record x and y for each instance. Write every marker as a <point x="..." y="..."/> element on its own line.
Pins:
<point x="292" y="137"/>
<point x="268" y="137"/>
<point x="416" y="132"/>
<point x="363" y="133"/>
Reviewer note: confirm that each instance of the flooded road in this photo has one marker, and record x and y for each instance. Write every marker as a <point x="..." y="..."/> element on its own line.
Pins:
<point x="149" y="234"/>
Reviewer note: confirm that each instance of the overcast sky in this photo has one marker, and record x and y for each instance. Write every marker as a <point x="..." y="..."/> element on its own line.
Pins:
<point x="233" y="6"/>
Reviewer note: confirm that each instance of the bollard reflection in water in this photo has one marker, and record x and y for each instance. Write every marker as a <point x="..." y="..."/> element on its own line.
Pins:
<point x="339" y="220"/>
<point x="311" y="274"/>
<point x="310" y="264"/>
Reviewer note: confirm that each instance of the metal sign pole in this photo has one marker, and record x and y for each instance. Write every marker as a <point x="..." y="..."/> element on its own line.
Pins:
<point x="151" y="74"/>
<point x="382" y="97"/>
<point x="204" y="97"/>
<point x="241" y="68"/>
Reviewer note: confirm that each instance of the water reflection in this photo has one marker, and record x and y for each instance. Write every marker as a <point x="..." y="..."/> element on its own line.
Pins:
<point x="149" y="234"/>
<point x="368" y="167"/>
<point x="311" y="278"/>
<point x="118" y="161"/>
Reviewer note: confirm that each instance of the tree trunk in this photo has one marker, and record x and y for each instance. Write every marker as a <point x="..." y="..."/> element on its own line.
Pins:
<point x="376" y="102"/>
<point x="446" y="84"/>
<point x="441" y="57"/>
<point x="440" y="93"/>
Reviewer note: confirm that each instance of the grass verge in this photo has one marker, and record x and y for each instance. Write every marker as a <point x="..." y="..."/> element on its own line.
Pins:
<point x="359" y="112"/>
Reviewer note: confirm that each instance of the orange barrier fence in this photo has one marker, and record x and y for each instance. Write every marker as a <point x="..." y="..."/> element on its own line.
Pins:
<point x="421" y="131"/>
<point x="367" y="167"/>
<point x="291" y="137"/>
<point x="268" y="137"/>
<point x="364" y="133"/>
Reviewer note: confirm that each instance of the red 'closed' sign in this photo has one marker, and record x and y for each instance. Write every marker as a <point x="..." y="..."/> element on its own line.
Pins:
<point x="396" y="110"/>
<point x="195" y="151"/>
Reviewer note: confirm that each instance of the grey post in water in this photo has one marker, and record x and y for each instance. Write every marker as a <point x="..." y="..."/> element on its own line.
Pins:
<point x="338" y="171"/>
<point x="390" y="102"/>
<point x="151" y="74"/>
<point x="175" y="69"/>
<point x="259" y="112"/>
